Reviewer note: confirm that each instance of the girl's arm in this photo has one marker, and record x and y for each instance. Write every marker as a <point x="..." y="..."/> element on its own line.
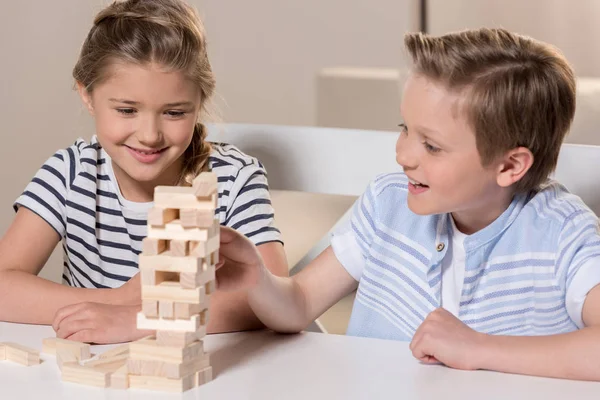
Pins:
<point x="27" y="298"/>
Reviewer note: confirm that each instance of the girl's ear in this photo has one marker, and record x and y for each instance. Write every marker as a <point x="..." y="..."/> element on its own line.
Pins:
<point x="85" y="97"/>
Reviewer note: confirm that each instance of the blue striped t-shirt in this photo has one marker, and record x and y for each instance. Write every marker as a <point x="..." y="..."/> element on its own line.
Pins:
<point x="76" y="192"/>
<point x="527" y="273"/>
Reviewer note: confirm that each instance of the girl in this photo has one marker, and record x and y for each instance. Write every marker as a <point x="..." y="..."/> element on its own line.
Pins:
<point x="144" y="75"/>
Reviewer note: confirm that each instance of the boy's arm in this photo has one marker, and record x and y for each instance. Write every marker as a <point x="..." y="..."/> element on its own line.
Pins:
<point x="25" y="297"/>
<point x="281" y="303"/>
<point x="575" y="355"/>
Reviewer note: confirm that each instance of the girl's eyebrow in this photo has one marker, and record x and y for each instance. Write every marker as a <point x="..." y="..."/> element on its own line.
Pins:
<point x="135" y="103"/>
<point x="131" y="102"/>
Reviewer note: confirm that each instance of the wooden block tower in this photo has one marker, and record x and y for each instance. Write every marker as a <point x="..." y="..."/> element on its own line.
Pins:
<point x="177" y="268"/>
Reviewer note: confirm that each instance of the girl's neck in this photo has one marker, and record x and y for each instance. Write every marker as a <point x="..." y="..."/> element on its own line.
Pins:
<point x="143" y="191"/>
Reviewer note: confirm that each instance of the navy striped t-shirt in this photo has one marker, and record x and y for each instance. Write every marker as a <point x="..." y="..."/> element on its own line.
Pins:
<point x="76" y="192"/>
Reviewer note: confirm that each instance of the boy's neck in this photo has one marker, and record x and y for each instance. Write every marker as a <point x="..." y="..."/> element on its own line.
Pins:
<point x="475" y="219"/>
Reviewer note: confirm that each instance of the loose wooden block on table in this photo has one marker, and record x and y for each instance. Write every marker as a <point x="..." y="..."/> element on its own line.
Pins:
<point x="116" y="351"/>
<point x="81" y="350"/>
<point x="108" y="364"/>
<point x="204" y="376"/>
<point x="21" y="354"/>
<point x="176" y="325"/>
<point x="76" y="373"/>
<point x="120" y="378"/>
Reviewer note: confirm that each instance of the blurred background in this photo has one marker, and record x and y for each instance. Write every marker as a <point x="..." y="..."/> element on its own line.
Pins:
<point x="332" y="63"/>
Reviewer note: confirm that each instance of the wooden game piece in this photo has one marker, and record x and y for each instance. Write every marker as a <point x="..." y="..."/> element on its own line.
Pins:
<point x="174" y="231"/>
<point x="161" y="216"/>
<point x="81" y="350"/>
<point x="179" y="248"/>
<point x="192" y="218"/>
<point x="204" y="376"/>
<point x="155" y="276"/>
<point x="21" y="354"/>
<point x="120" y="378"/>
<point x="117" y="351"/>
<point x="162" y="384"/>
<point x="65" y="356"/>
<point x="178" y="325"/>
<point x="150" y="349"/>
<point x="166" y="310"/>
<point x="108" y="364"/>
<point x="171" y="291"/>
<point x="168" y="370"/>
<point x="202" y="249"/>
<point x="179" y="339"/>
<point x="186" y="310"/>
<point x="150" y="308"/>
<point x="210" y="287"/>
<point x="76" y="373"/>
<point x="191" y="280"/>
<point x="2" y="352"/>
<point x="152" y="247"/>
<point x="181" y="197"/>
<point x="205" y="184"/>
<point x="167" y="262"/>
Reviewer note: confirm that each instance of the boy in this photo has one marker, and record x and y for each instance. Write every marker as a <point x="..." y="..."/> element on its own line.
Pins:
<point x="471" y="253"/>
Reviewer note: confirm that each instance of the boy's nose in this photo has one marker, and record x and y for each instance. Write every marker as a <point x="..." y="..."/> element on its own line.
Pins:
<point x="405" y="154"/>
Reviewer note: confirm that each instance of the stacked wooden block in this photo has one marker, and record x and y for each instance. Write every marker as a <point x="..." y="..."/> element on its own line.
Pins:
<point x="177" y="268"/>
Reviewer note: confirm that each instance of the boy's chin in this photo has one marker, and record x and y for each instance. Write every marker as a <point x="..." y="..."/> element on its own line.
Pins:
<point x="421" y="209"/>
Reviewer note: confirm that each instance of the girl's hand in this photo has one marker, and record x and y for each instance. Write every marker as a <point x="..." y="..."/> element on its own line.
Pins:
<point x="240" y="264"/>
<point x="98" y="323"/>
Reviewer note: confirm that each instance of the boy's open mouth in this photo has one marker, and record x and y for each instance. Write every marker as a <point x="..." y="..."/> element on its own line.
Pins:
<point x="417" y="184"/>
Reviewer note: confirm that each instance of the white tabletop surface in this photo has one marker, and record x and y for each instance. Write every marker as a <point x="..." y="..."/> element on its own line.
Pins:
<point x="263" y="365"/>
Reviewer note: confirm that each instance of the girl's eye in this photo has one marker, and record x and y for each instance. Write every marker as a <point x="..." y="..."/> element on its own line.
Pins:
<point x="403" y="128"/>
<point x="126" y="111"/>
<point x="175" y="113"/>
<point x="430" y="148"/>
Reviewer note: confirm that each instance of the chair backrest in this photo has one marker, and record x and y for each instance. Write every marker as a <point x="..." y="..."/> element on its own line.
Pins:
<point x="344" y="161"/>
<point x="317" y="160"/>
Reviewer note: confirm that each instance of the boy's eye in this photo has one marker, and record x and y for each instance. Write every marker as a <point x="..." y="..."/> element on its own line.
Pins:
<point x="403" y="128"/>
<point x="174" y="113"/>
<point x="126" y="111"/>
<point x="430" y="148"/>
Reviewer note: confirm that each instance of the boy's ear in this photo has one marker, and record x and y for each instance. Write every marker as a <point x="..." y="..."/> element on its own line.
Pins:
<point x="514" y="166"/>
<point x="85" y="97"/>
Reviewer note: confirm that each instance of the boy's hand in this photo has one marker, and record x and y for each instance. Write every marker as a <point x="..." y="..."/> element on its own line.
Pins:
<point x="240" y="264"/>
<point x="444" y="338"/>
<point x="98" y="323"/>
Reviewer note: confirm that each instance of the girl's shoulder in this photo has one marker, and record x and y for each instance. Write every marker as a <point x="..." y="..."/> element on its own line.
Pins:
<point x="228" y="155"/>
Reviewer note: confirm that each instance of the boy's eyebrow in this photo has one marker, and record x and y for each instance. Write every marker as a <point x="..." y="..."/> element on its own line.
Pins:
<point x="135" y="103"/>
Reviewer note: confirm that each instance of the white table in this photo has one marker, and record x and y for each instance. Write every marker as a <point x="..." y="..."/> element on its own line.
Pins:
<point x="263" y="365"/>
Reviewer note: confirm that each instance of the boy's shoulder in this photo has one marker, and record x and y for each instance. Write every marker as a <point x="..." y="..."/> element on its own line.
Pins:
<point x="554" y="202"/>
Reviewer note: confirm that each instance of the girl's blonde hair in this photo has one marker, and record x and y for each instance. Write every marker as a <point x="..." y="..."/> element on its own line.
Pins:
<point x="165" y="32"/>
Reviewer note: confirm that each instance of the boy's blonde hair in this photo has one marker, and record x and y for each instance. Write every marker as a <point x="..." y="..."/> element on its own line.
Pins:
<point x="517" y="91"/>
<point x="166" y="32"/>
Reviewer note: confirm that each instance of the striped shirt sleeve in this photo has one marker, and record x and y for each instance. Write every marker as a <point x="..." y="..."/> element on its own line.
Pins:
<point x="579" y="253"/>
<point x="250" y="211"/>
<point x="352" y="241"/>
<point x="46" y="194"/>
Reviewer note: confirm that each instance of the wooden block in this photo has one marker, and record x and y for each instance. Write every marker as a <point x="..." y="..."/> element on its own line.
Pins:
<point x="160" y="216"/>
<point x="108" y="364"/>
<point x="210" y="287"/>
<point x="204" y="249"/>
<point x="179" y="248"/>
<point x="153" y="277"/>
<point x="171" y="291"/>
<point x="205" y="184"/>
<point x="120" y="378"/>
<point x="214" y="258"/>
<point x="117" y="351"/>
<point x="162" y="384"/>
<point x="81" y="351"/>
<point x="186" y="310"/>
<point x="150" y="349"/>
<point x="65" y="356"/>
<point x="204" y="376"/>
<point x="191" y="280"/>
<point x="166" y="369"/>
<point x="174" y="231"/>
<point x="2" y="352"/>
<point x="178" y="325"/>
<point x="182" y="197"/>
<point x="179" y="339"/>
<point x="150" y="308"/>
<point x="152" y="246"/>
<point x="85" y="375"/>
<point x="167" y="262"/>
<point x="21" y="354"/>
<point x="49" y="344"/>
<point x="166" y="310"/>
<point x="192" y="218"/>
